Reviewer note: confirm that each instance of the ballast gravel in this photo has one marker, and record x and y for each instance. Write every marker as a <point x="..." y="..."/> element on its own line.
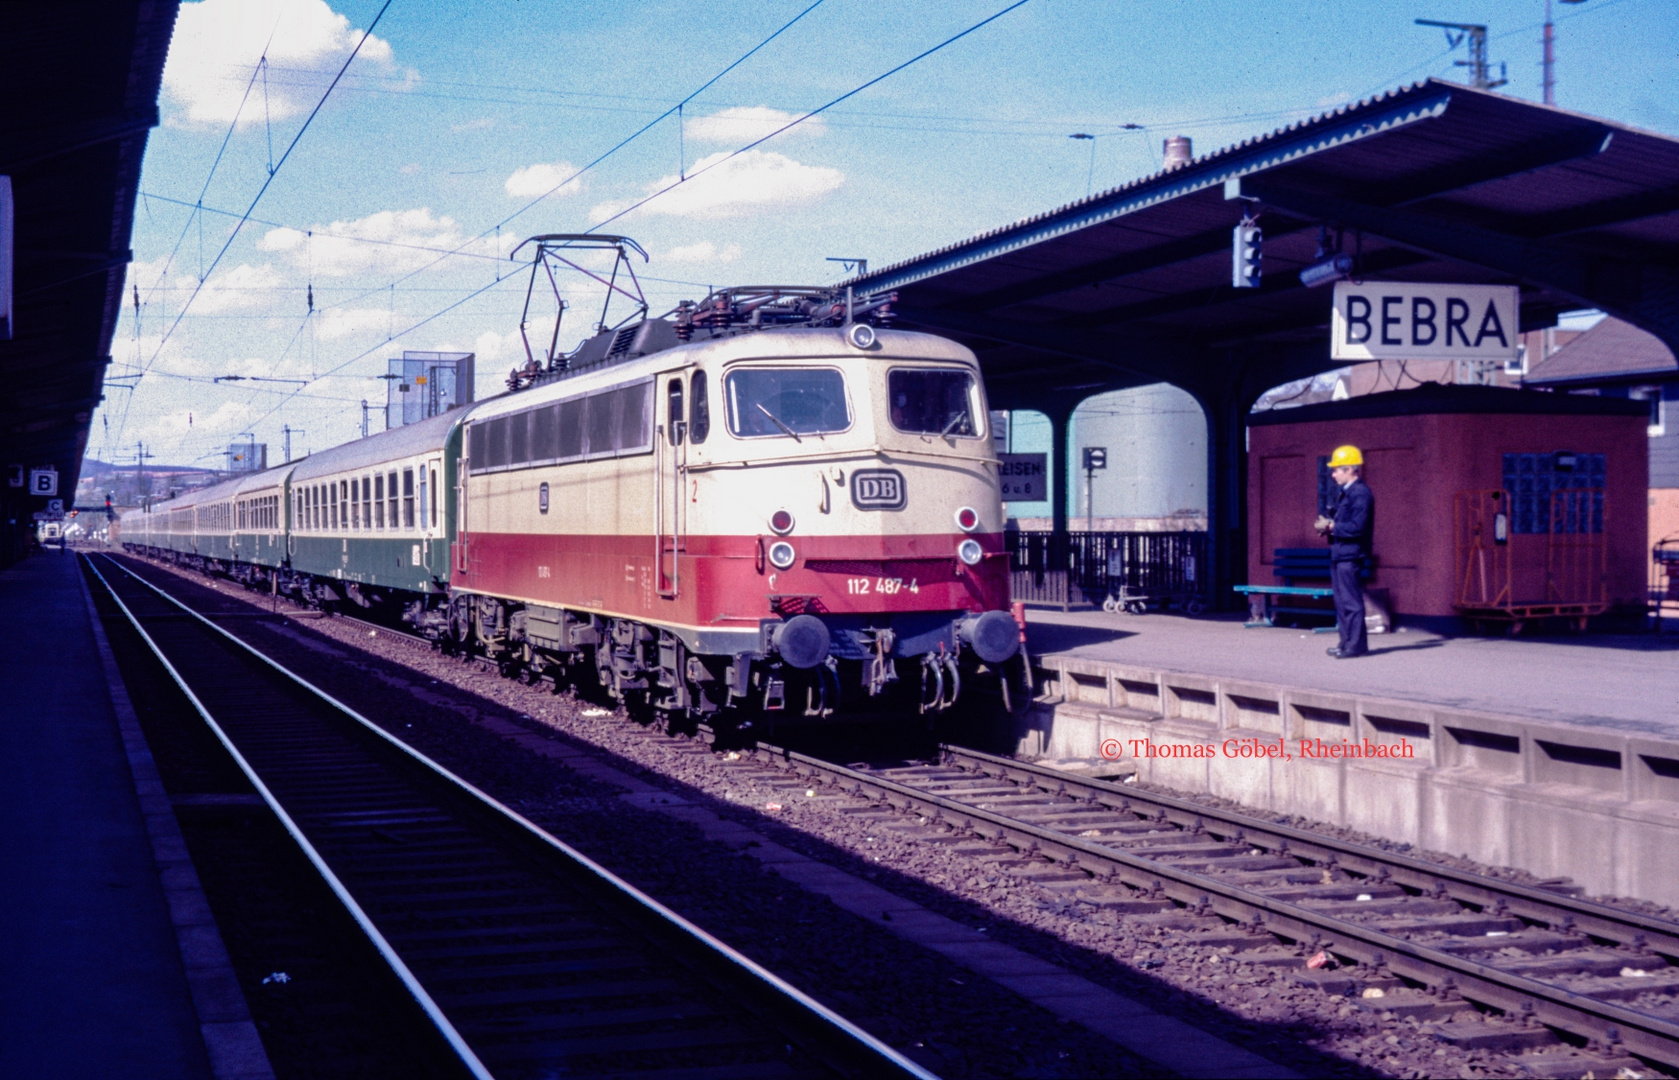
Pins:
<point x="953" y="1021"/>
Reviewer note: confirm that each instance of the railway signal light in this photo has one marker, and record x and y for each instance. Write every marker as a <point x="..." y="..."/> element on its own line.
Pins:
<point x="1245" y="255"/>
<point x="1095" y="457"/>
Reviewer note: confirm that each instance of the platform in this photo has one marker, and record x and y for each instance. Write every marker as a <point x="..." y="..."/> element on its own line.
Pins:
<point x="1557" y="755"/>
<point x="92" y="978"/>
<point x="1624" y="682"/>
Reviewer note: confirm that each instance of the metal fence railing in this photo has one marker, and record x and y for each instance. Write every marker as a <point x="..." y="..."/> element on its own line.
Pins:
<point x="1146" y="567"/>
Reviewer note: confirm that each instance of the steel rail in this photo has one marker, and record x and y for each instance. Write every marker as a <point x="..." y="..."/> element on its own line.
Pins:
<point x="835" y="1028"/>
<point x="1598" y="920"/>
<point x="1554" y="1006"/>
<point x="445" y="1027"/>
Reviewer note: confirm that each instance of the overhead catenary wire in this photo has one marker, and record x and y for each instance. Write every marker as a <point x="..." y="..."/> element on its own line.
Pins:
<point x="198" y="214"/>
<point x="269" y="179"/>
<point x="273" y="171"/>
<point x="499" y="225"/>
<point x="814" y="112"/>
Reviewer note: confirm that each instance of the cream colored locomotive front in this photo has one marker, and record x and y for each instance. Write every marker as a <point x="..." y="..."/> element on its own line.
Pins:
<point x="709" y="513"/>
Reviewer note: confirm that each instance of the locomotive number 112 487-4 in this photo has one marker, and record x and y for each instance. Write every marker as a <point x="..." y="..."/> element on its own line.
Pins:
<point x="886" y="586"/>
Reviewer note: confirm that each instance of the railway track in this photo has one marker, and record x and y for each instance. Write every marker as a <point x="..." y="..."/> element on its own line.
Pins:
<point x="528" y="958"/>
<point x="1478" y="962"/>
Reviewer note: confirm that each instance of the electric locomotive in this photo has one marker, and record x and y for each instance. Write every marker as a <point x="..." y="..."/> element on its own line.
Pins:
<point x="769" y="505"/>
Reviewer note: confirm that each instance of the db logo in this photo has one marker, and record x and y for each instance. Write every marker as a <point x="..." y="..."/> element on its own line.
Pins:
<point x="1112" y="749"/>
<point x="877" y="489"/>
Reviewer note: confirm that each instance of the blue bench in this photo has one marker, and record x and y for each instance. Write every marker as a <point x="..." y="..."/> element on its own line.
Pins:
<point x="1266" y="602"/>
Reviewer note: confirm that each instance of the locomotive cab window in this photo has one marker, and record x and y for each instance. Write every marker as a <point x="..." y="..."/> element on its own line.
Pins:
<point x="699" y="422"/>
<point x="786" y="401"/>
<point x="932" y="401"/>
<point x="674" y="421"/>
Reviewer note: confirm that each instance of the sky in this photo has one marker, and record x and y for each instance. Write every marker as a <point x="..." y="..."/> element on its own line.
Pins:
<point x="394" y="200"/>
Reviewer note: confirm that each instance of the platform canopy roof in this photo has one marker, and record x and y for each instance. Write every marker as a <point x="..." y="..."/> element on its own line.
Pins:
<point x="1433" y="182"/>
<point x="79" y="86"/>
<point x="1609" y="353"/>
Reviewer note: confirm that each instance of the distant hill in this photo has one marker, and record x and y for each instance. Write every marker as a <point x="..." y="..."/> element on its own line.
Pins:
<point x="91" y="466"/>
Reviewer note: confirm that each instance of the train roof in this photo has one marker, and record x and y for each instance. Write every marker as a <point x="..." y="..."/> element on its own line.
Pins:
<point x="222" y="489"/>
<point x="791" y="343"/>
<point x="393" y="445"/>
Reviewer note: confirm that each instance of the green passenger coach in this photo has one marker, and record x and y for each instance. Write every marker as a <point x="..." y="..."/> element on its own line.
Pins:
<point x="377" y="514"/>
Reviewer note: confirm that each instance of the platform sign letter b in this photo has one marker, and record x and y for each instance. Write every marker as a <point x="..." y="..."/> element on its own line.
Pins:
<point x="43" y="482"/>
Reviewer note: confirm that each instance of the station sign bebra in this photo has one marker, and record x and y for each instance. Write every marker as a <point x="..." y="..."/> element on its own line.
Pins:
<point x="1411" y="320"/>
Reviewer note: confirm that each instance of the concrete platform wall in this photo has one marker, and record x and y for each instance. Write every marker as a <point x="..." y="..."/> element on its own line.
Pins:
<point x="1553" y="799"/>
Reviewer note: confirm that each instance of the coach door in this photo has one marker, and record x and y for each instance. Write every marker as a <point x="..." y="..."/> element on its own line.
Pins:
<point x="670" y="457"/>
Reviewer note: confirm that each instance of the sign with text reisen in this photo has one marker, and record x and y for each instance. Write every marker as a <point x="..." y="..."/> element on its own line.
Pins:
<point x="1024" y="477"/>
<point x="1407" y="320"/>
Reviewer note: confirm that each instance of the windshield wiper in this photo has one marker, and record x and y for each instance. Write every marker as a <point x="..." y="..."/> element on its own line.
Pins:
<point x="954" y="421"/>
<point x="776" y="420"/>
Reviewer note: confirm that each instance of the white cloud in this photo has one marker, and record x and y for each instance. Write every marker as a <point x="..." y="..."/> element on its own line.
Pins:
<point x="492" y="346"/>
<point x="532" y="180"/>
<point x="229" y="419"/>
<point x="218" y="43"/>
<point x="400" y="239"/>
<point x="243" y="288"/>
<point x="744" y="123"/>
<point x="164" y="287"/>
<point x="410" y="169"/>
<point x="703" y="252"/>
<point x="335" y="323"/>
<point x="730" y="187"/>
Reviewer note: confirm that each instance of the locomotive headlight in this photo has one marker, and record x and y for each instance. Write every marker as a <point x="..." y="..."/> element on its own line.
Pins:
<point x="861" y="335"/>
<point x="782" y="522"/>
<point x="968" y="551"/>
<point x="967" y="519"/>
<point x="782" y="555"/>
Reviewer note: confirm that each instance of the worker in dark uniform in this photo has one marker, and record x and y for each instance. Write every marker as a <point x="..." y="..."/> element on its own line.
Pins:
<point x="1348" y="530"/>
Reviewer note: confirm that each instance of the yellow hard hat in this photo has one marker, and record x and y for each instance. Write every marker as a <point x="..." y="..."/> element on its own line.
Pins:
<point x="1345" y="455"/>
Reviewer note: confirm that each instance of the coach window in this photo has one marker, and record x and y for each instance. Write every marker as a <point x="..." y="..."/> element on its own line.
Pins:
<point x="344" y="503"/>
<point x="390" y="490"/>
<point x="422" y="503"/>
<point x="434" y="520"/>
<point x="674" y="414"/>
<point x="367" y="502"/>
<point x="408" y="498"/>
<point x="378" y="500"/>
<point x="699" y="420"/>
